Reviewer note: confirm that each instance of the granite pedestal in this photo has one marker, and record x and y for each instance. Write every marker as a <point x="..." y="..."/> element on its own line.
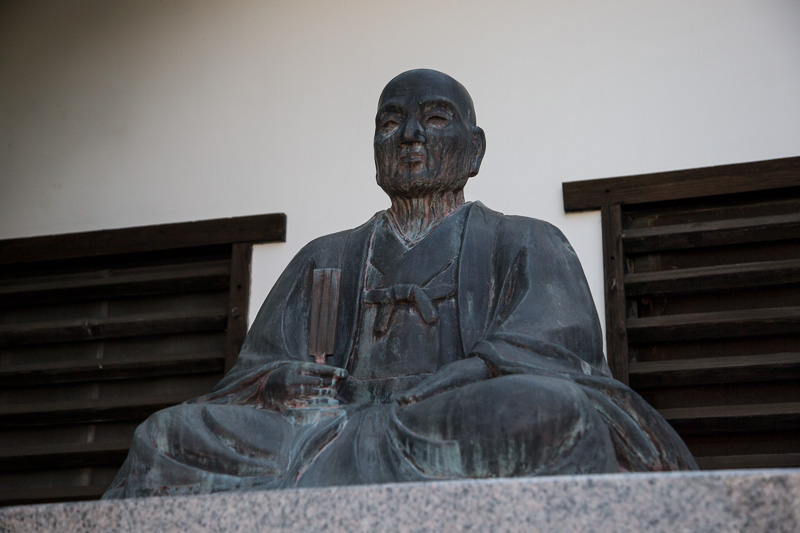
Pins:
<point x="761" y="500"/>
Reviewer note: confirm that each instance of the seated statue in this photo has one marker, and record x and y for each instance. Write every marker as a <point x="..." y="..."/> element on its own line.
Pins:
<point x="440" y="340"/>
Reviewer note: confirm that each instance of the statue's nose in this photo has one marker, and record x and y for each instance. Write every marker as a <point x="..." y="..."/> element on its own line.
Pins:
<point x="412" y="131"/>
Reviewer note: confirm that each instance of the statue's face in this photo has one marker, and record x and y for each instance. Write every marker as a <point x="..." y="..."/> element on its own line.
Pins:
<point x="425" y="135"/>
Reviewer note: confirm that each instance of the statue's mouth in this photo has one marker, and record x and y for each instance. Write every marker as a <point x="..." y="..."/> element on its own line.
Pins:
<point x="412" y="156"/>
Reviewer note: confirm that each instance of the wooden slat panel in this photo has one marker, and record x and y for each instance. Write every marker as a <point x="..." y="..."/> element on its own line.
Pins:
<point x="716" y="233"/>
<point x="133" y="389"/>
<point x="715" y="256"/>
<point x="67" y="412"/>
<point x="58" y="455"/>
<point x="742" y="299"/>
<point x="139" y="366"/>
<point x="144" y="281"/>
<point x="680" y="184"/>
<point x="737" y="369"/>
<point x="253" y="229"/>
<point x="731" y="462"/>
<point x="722" y="394"/>
<point x="104" y="328"/>
<point x="101" y="329"/>
<point x="763" y="442"/>
<point x="752" y="322"/>
<point x="732" y="418"/>
<point x="709" y="209"/>
<point x="17" y="496"/>
<point x="112" y="350"/>
<point x="715" y="277"/>
<point x="703" y="348"/>
<point x="63" y="434"/>
<point x="711" y="303"/>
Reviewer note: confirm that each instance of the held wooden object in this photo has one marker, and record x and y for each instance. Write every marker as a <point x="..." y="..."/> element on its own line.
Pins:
<point x="324" y="304"/>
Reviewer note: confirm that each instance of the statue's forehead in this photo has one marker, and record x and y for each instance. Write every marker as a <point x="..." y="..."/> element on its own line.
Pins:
<point x="417" y="88"/>
<point x="411" y="96"/>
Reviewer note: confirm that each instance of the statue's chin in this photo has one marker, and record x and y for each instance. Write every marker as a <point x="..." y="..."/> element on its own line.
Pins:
<point x="419" y="186"/>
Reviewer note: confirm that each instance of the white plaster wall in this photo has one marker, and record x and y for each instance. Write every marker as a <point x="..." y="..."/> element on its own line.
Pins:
<point x="123" y="113"/>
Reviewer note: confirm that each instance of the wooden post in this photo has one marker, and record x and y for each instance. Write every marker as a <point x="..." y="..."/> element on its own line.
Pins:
<point x="614" y="274"/>
<point x="238" y="298"/>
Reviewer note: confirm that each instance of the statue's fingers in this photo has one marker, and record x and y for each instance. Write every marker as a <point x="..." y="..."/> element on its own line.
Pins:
<point x="325" y="392"/>
<point x="302" y="390"/>
<point x="416" y="394"/>
<point x="306" y="390"/>
<point x="310" y="379"/>
<point x="407" y="399"/>
<point x="314" y="369"/>
<point x="303" y="379"/>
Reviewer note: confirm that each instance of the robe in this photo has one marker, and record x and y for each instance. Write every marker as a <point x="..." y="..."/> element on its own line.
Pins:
<point x="508" y="290"/>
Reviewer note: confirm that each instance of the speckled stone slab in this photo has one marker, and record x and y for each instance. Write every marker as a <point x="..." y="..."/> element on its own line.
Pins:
<point x="761" y="500"/>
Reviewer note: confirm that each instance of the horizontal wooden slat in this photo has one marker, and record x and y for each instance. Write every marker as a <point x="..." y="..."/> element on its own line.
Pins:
<point x="733" y="462"/>
<point x="733" y="418"/>
<point x="726" y="324"/>
<point x="714" y="278"/>
<point x="116" y="327"/>
<point x="16" y="496"/>
<point x="251" y="229"/>
<point x="212" y="275"/>
<point x="679" y="184"/>
<point x="56" y="455"/>
<point x="737" y="369"/>
<point x="755" y="204"/>
<point x="138" y="366"/>
<point x="716" y="233"/>
<point x="15" y="415"/>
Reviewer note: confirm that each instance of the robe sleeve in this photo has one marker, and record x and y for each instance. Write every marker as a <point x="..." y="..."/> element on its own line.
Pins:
<point x="544" y="322"/>
<point x="278" y="335"/>
<point x="543" y="318"/>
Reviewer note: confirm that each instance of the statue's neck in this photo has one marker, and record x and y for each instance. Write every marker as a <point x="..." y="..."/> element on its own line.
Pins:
<point x="416" y="217"/>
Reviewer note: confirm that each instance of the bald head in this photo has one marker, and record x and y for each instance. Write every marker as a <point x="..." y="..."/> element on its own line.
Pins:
<point x="426" y="140"/>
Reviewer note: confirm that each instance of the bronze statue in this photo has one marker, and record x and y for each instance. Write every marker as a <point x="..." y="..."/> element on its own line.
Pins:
<point x="450" y="340"/>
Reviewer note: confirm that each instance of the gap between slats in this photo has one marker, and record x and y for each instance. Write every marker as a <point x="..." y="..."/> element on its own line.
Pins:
<point x="720" y="232"/>
<point x="715" y="325"/>
<point x="117" y="327"/>
<point x="703" y="279"/>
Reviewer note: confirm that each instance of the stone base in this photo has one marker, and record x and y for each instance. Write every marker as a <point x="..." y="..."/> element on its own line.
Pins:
<point x="744" y="500"/>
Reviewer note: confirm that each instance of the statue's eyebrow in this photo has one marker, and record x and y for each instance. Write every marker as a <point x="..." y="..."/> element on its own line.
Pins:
<point x="443" y="103"/>
<point x="389" y="108"/>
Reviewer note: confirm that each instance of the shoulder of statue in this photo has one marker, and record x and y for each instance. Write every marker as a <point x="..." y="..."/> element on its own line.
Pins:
<point x="517" y="228"/>
<point x="338" y="239"/>
<point x="513" y="233"/>
<point x="513" y="222"/>
<point x="327" y="250"/>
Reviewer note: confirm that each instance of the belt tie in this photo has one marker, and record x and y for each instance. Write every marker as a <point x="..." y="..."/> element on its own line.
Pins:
<point x="421" y="299"/>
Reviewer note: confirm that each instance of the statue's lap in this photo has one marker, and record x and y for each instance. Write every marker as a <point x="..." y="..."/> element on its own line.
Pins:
<point x="511" y="425"/>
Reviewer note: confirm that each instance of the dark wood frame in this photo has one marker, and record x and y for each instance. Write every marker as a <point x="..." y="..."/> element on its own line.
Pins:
<point x="226" y="244"/>
<point x="241" y="233"/>
<point x="610" y="194"/>
<point x="591" y="195"/>
<point x="620" y="201"/>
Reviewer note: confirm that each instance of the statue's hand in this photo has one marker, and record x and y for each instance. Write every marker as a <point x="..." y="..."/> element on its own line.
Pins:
<point x="450" y="376"/>
<point x="300" y="384"/>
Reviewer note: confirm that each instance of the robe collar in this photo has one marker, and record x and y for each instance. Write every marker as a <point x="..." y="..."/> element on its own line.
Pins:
<point x="476" y="280"/>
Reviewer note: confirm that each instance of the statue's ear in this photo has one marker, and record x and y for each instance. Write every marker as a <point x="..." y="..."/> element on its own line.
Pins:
<point x="478" y="149"/>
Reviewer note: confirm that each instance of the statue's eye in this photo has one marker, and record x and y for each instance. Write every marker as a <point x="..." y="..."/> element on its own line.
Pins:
<point x="388" y="126"/>
<point x="437" y="121"/>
